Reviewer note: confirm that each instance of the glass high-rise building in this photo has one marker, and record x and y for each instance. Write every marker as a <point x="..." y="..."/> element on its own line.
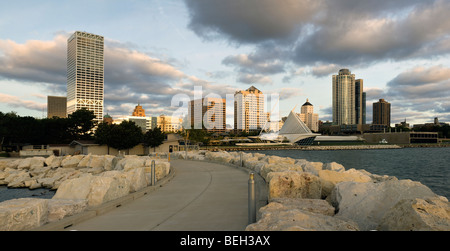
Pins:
<point x="85" y="73"/>
<point x="349" y="106"/>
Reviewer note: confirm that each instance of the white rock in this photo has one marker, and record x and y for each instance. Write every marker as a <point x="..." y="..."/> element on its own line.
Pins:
<point x="309" y="205"/>
<point x="17" y="180"/>
<point x="61" y="208"/>
<point x="137" y="179"/>
<point x="279" y="167"/>
<point x="312" y="167"/>
<point x="429" y="214"/>
<point x="56" y="162"/>
<point x="291" y="184"/>
<point x="23" y="214"/>
<point x="48" y="161"/>
<point x="333" y="166"/>
<point x="368" y="203"/>
<point x="84" y="162"/>
<point x="298" y="220"/>
<point x="104" y="189"/>
<point x="330" y="178"/>
<point x="71" y="161"/>
<point x="75" y="189"/>
<point x="276" y="159"/>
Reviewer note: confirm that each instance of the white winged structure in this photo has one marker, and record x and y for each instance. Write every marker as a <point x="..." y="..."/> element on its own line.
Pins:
<point x="294" y="130"/>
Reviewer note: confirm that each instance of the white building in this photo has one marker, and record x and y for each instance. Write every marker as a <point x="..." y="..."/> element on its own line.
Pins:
<point x="249" y="111"/>
<point x="85" y="73"/>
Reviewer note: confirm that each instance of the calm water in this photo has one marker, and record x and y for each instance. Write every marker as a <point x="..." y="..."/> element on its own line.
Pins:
<point x="430" y="166"/>
<point x="15" y="193"/>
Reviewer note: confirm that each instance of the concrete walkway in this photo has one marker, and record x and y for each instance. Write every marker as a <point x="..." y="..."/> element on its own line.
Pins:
<point x="201" y="197"/>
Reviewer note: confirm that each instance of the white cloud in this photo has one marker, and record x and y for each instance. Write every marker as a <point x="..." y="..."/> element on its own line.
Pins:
<point x="14" y="101"/>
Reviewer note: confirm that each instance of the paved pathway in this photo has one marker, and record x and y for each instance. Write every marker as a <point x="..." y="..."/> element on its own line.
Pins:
<point x="201" y="197"/>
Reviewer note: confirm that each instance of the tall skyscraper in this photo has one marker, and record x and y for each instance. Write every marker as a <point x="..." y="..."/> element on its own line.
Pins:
<point x="382" y="113"/>
<point x="85" y="73"/>
<point x="359" y="86"/>
<point x="308" y="116"/>
<point x="56" y="107"/>
<point x="249" y="110"/>
<point x="208" y="113"/>
<point x="348" y="99"/>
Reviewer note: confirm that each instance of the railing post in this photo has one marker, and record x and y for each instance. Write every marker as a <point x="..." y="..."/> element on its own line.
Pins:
<point x="240" y="159"/>
<point x="251" y="199"/>
<point x="153" y="174"/>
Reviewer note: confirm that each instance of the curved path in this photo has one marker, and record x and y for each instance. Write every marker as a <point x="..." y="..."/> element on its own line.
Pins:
<point x="202" y="196"/>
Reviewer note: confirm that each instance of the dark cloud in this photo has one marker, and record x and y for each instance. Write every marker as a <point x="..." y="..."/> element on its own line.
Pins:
<point x="325" y="32"/>
<point x="250" y="21"/>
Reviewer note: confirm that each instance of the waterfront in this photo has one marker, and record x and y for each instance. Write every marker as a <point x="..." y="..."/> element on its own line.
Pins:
<point x="430" y="166"/>
<point x="15" y="193"/>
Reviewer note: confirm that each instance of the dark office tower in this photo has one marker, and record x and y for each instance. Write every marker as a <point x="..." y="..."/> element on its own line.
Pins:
<point x="364" y="108"/>
<point x="56" y="107"/>
<point x="359" y="108"/>
<point x="85" y="73"/>
<point x="382" y="113"/>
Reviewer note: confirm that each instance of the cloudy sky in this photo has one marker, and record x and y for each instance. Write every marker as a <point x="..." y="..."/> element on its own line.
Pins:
<point x="157" y="51"/>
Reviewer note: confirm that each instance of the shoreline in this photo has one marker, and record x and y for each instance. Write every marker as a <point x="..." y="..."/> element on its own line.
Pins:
<point x="323" y="147"/>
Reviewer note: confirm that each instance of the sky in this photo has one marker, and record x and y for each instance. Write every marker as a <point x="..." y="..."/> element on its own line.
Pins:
<point x="158" y="52"/>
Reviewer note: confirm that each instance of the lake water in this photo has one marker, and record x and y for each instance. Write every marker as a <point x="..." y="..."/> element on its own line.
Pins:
<point x="15" y="193"/>
<point x="430" y="166"/>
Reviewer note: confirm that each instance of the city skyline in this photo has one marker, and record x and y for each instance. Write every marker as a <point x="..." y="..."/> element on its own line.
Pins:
<point x="157" y="49"/>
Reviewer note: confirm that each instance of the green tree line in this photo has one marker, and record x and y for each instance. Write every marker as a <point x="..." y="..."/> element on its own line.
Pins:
<point x="16" y="131"/>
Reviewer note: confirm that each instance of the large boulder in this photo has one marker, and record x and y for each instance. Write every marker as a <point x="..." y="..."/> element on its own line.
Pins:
<point x="75" y="189"/>
<point x="106" y="188"/>
<point x="297" y="217"/>
<point x="279" y="167"/>
<point x="276" y="159"/>
<point x="162" y="169"/>
<point x="61" y="208"/>
<point x="368" y="203"/>
<point x="292" y="184"/>
<point x="137" y="179"/>
<point x="23" y="214"/>
<point x="333" y="166"/>
<point x="309" y="205"/>
<point x="17" y="179"/>
<point x="429" y="214"/>
<point x="71" y="161"/>
<point x="330" y="178"/>
<point x="55" y="162"/>
<point x="310" y="167"/>
<point x="31" y="162"/>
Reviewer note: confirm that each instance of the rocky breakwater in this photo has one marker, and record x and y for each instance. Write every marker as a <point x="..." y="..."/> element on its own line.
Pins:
<point x="305" y="195"/>
<point x="81" y="182"/>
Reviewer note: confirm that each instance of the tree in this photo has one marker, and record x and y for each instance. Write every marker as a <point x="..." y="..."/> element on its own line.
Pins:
<point x="125" y="136"/>
<point x="199" y="136"/>
<point x="103" y="134"/>
<point x="154" y="138"/>
<point x="81" y="123"/>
